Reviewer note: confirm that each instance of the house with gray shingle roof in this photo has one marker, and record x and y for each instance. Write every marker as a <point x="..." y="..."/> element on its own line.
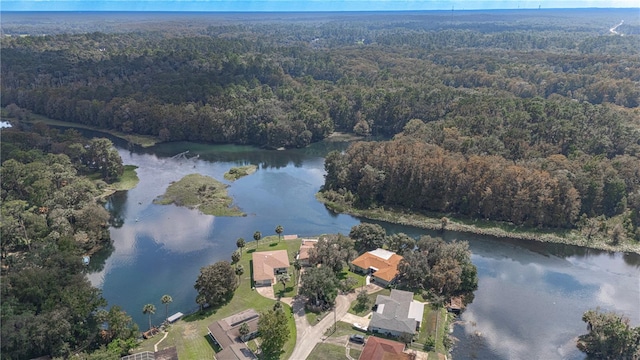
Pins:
<point x="396" y="314"/>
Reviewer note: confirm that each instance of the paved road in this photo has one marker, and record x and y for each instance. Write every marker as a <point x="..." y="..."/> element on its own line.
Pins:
<point x="308" y="336"/>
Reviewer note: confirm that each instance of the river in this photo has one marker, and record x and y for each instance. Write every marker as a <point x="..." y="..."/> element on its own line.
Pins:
<point x="530" y="299"/>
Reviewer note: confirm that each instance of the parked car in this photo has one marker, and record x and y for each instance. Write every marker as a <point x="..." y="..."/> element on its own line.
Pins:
<point x="359" y="327"/>
<point x="359" y="339"/>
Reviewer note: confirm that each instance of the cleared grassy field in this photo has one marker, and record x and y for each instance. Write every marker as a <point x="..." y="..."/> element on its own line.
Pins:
<point x="435" y="323"/>
<point x="327" y="351"/>
<point x="189" y="335"/>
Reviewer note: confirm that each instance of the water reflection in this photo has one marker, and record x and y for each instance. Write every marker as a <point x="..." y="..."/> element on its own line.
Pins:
<point x="532" y="310"/>
<point x="115" y="205"/>
<point x="160" y="248"/>
<point x="530" y="299"/>
<point x="531" y="295"/>
<point x="243" y="155"/>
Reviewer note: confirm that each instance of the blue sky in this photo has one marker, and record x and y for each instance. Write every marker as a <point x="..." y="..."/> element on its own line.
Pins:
<point x="301" y="5"/>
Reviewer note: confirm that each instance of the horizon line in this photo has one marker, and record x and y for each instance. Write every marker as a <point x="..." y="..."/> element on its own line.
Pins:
<point x="322" y="11"/>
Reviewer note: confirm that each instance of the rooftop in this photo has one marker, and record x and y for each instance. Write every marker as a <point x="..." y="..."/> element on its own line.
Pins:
<point x="226" y="333"/>
<point x="265" y="262"/>
<point x="383" y="261"/>
<point x="397" y="312"/>
<point x="383" y="349"/>
<point x="307" y="244"/>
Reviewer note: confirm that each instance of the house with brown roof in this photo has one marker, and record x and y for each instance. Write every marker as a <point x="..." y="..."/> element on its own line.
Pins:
<point x="383" y="349"/>
<point x="268" y="264"/>
<point x="305" y="247"/>
<point x="226" y="333"/>
<point x="381" y="264"/>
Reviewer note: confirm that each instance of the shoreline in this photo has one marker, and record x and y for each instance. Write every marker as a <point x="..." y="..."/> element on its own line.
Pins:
<point x="431" y="223"/>
<point x="144" y="141"/>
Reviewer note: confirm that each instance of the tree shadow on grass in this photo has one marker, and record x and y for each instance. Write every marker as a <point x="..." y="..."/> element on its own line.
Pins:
<point x="208" y="311"/>
<point x="283" y="293"/>
<point x="250" y="251"/>
<point x="201" y="314"/>
<point x="273" y="244"/>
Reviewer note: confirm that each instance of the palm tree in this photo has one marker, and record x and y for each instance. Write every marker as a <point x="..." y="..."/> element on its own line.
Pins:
<point x="297" y="266"/>
<point x="201" y="300"/>
<point x="257" y="236"/>
<point x="284" y="278"/>
<point x="239" y="272"/>
<point x="279" y="230"/>
<point x="149" y="309"/>
<point x="235" y="256"/>
<point x="244" y="330"/>
<point x="166" y="299"/>
<point x="240" y="244"/>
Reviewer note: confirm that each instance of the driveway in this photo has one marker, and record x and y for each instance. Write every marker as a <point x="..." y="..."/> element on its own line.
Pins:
<point x="266" y="291"/>
<point x="353" y="319"/>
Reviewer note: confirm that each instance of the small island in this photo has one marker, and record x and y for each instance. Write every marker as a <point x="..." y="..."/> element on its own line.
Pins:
<point x="236" y="173"/>
<point x="200" y="192"/>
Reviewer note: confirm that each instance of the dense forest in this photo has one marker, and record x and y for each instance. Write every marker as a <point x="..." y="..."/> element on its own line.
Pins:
<point x="531" y="118"/>
<point x="51" y="218"/>
<point x="286" y="84"/>
<point x="527" y="117"/>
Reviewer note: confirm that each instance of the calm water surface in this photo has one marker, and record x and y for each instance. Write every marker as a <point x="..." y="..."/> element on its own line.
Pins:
<point x="530" y="299"/>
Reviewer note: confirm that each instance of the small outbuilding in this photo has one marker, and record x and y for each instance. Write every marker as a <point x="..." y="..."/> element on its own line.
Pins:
<point x="173" y="318"/>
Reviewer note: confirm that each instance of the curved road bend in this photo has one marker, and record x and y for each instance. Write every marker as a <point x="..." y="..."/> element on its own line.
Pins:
<point x="308" y="336"/>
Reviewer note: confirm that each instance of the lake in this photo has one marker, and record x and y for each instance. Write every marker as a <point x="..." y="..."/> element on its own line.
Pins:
<point x="530" y="299"/>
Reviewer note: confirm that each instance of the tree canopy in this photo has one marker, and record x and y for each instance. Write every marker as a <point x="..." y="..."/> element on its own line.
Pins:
<point x="274" y="332"/>
<point x="320" y="286"/>
<point x="610" y="336"/>
<point x="333" y="251"/>
<point x="441" y="268"/>
<point x="50" y="219"/>
<point x="216" y="283"/>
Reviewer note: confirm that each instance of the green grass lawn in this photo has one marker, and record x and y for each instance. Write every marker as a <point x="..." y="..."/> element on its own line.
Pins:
<point x="342" y="328"/>
<point x="359" y="278"/>
<point x="189" y="335"/>
<point x="327" y="351"/>
<point x="354" y="353"/>
<point x="432" y="320"/>
<point x="372" y="300"/>
<point x="314" y="318"/>
<point x="330" y="351"/>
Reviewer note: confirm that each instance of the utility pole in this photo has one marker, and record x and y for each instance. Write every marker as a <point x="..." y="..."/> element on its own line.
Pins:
<point x="335" y="323"/>
<point x="437" y="318"/>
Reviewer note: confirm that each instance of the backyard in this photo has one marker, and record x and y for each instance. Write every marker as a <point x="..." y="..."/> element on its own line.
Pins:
<point x="190" y="334"/>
